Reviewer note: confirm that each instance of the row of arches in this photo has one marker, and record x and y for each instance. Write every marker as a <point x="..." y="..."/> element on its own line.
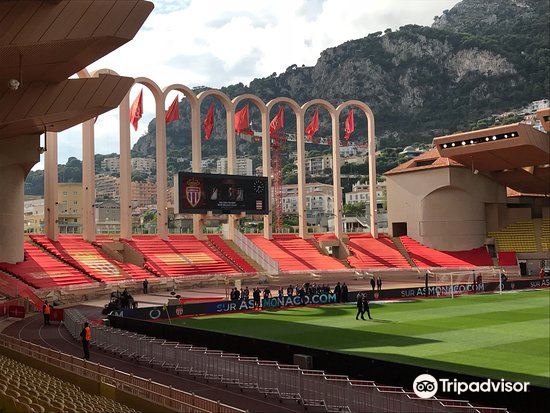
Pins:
<point x="195" y="100"/>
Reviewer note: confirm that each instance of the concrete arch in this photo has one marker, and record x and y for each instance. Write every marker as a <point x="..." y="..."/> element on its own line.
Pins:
<point x="372" y="158"/>
<point x="253" y="98"/>
<point x="290" y="102"/>
<point x="266" y="147"/>
<point x="231" y="141"/>
<point x="160" y="146"/>
<point x="301" y="160"/>
<point x="336" y="180"/>
<point x="196" y="144"/>
<point x="320" y="102"/>
<point x="218" y="94"/>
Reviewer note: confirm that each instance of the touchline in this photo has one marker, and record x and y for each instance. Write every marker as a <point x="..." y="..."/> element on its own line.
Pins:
<point x="487" y="386"/>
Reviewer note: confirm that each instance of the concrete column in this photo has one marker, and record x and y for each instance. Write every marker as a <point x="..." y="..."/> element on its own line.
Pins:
<point x="162" y="211"/>
<point x="372" y="176"/>
<point x="336" y="181"/>
<point x="51" y="209"/>
<point x="231" y="161"/>
<point x="125" y="181"/>
<point x="301" y="159"/>
<point x="266" y="166"/>
<point x="196" y="159"/>
<point x="88" y="181"/>
<point x="17" y="157"/>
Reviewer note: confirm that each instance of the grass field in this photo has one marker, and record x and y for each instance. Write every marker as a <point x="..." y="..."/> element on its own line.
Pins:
<point x="496" y="336"/>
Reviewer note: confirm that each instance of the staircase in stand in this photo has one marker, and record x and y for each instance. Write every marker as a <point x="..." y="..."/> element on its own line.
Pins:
<point x="401" y="248"/>
<point x="240" y="252"/>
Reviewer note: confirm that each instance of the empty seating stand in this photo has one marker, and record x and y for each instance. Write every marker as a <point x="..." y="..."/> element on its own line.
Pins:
<point x="230" y="254"/>
<point x="41" y="270"/>
<point x="545" y="234"/>
<point x="426" y="257"/>
<point x="368" y="252"/>
<point x="86" y="257"/>
<point x="518" y="237"/>
<point x="295" y="254"/>
<point x="181" y="255"/>
<point x="26" y="389"/>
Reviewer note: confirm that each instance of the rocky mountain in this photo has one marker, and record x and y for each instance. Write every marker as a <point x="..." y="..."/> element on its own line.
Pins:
<point x="479" y="58"/>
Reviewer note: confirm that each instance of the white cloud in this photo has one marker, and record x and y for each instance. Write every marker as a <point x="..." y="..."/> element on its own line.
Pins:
<point x="220" y="42"/>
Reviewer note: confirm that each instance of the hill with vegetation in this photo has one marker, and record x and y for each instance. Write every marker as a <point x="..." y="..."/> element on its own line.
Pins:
<point x="479" y="58"/>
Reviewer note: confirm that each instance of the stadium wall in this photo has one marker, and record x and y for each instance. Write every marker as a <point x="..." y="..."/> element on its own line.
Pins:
<point x="444" y="207"/>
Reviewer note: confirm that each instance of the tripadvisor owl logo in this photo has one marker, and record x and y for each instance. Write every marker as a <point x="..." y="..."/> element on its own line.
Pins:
<point x="425" y="386"/>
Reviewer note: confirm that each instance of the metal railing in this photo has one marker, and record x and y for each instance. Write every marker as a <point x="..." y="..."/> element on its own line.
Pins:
<point x="249" y="248"/>
<point x="287" y="382"/>
<point x="147" y="389"/>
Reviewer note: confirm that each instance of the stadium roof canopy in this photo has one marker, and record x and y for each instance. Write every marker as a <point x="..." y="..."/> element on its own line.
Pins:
<point x="516" y="156"/>
<point x="42" y="43"/>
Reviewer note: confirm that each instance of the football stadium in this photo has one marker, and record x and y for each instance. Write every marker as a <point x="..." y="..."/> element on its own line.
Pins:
<point x="229" y="294"/>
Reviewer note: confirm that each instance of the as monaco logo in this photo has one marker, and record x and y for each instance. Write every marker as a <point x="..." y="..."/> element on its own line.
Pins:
<point x="193" y="192"/>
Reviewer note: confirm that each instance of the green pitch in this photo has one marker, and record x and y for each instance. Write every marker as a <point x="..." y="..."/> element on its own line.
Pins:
<point x="495" y="336"/>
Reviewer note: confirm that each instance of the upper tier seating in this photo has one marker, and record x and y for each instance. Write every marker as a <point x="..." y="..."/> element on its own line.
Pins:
<point x="425" y="257"/>
<point x="41" y="270"/>
<point x="518" y="237"/>
<point x="230" y="254"/>
<point x="26" y="389"/>
<point x="545" y="234"/>
<point x="507" y="259"/>
<point x="179" y="256"/>
<point x="84" y="256"/>
<point x="295" y="254"/>
<point x="368" y="252"/>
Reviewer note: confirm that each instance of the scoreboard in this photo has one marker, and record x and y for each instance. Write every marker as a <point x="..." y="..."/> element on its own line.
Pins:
<point x="200" y="193"/>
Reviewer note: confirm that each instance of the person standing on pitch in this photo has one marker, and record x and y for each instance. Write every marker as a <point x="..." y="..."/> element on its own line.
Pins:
<point x="344" y="293"/>
<point x="379" y="283"/>
<point x="86" y="337"/>
<point x="365" y="307"/>
<point x="338" y="292"/>
<point x="360" y="311"/>
<point x="427" y="292"/>
<point x="46" y="310"/>
<point x="372" y="283"/>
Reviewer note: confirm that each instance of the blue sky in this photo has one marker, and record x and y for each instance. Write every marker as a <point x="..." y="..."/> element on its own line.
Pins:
<point x="219" y="42"/>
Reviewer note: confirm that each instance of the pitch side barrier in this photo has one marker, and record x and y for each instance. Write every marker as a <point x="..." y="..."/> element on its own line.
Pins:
<point x="224" y="307"/>
<point x="312" y="388"/>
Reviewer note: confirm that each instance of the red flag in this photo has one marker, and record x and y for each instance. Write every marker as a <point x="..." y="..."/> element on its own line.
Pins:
<point x="241" y="122"/>
<point x="173" y="112"/>
<point x="349" y="126"/>
<point x="136" y="111"/>
<point x="278" y="121"/>
<point x="208" y="124"/>
<point x="313" y="126"/>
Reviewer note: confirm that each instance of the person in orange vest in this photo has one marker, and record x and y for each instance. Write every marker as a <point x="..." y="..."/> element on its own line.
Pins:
<point x="46" y="310"/>
<point x="86" y="337"/>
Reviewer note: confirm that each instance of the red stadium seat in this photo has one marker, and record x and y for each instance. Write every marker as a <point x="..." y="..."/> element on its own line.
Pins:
<point x="181" y="255"/>
<point x="425" y="257"/>
<point x="368" y="252"/>
<point x="295" y="254"/>
<point x="507" y="259"/>
<point x="82" y="255"/>
<point x="41" y="270"/>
